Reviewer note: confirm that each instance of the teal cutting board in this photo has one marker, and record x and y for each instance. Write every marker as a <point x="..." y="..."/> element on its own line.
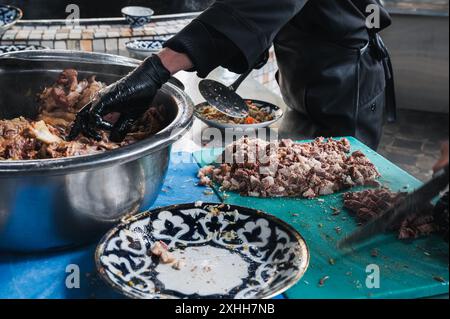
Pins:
<point x="406" y="269"/>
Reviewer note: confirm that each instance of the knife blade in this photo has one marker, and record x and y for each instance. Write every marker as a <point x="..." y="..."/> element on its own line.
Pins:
<point x="410" y="205"/>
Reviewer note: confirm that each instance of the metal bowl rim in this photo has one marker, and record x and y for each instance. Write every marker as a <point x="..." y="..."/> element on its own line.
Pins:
<point x="72" y="56"/>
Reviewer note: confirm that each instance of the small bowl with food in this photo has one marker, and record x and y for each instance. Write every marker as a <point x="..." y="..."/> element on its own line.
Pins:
<point x="261" y="115"/>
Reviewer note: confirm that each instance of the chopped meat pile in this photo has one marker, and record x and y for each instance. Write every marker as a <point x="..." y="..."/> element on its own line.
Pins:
<point x="369" y="204"/>
<point x="43" y="137"/>
<point x="257" y="168"/>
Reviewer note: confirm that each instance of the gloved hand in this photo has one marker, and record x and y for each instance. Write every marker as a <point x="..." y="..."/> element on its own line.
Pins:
<point x="130" y="96"/>
<point x="443" y="160"/>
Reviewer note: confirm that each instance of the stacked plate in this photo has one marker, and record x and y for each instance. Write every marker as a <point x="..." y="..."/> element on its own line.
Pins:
<point x="140" y="49"/>
<point x="9" y="15"/>
<point x="21" y="47"/>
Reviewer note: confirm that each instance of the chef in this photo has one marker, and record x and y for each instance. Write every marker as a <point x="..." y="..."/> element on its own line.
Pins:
<point x="333" y="66"/>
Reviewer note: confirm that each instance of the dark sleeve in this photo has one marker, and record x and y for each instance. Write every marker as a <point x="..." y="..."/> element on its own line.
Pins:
<point x="207" y="49"/>
<point x="234" y="33"/>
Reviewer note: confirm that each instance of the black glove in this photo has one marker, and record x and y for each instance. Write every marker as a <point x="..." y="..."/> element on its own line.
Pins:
<point x="131" y="97"/>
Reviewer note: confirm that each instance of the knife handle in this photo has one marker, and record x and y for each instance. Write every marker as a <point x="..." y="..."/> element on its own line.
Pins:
<point x="438" y="183"/>
<point x="442" y="173"/>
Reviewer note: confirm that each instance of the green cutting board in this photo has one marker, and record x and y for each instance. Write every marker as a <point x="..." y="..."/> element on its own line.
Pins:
<point x="407" y="269"/>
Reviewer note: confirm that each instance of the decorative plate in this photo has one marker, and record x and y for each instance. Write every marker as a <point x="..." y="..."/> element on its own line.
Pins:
<point x="146" y="47"/>
<point x="221" y="251"/>
<point x="276" y="112"/>
<point x="9" y="15"/>
<point x="20" y="47"/>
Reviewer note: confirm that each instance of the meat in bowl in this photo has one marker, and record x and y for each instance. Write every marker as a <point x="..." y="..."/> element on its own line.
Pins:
<point x="44" y="137"/>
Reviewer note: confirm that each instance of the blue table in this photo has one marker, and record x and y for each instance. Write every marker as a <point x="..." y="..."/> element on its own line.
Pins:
<point x="44" y="275"/>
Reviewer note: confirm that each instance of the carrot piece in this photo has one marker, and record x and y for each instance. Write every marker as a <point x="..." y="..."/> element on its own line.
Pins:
<point x="250" y="120"/>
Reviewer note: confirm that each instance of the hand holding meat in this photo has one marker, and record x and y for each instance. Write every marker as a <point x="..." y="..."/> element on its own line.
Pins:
<point x="130" y="97"/>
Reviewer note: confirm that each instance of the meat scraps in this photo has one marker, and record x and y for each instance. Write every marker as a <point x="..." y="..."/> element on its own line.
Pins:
<point x="43" y="137"/>
<point x="257" y="168"/>
<point x="368" y="204"/>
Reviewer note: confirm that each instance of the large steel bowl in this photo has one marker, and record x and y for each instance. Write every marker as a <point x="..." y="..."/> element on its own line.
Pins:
<point x="46" y="204"/>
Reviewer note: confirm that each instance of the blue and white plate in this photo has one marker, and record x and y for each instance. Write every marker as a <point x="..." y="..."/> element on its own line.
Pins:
<point x="137" y="16"/>
<point x="9" y="15"/>
<point x="20" y="47"/>
<point x="222" y="251"/>
<point x="145" y="47"/>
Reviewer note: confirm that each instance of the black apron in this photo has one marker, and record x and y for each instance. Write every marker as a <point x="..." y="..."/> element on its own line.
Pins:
<point x="343" y="91"/>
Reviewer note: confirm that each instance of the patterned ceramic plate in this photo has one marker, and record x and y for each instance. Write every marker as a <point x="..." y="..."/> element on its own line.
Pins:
<point x="146" y="47"/>
<point x="276" y="112"/>
<point x="20" y="47"/>
<point x="220" y="251"/>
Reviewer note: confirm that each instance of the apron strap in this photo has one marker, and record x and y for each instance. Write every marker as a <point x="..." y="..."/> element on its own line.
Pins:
<point x="381" y="53"/>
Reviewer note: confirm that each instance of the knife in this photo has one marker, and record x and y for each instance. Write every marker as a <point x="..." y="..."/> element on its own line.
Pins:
<point x="410" y="205"/>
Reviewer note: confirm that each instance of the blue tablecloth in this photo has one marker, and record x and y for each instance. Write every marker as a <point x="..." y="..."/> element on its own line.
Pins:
<point x="44" y="275"/>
